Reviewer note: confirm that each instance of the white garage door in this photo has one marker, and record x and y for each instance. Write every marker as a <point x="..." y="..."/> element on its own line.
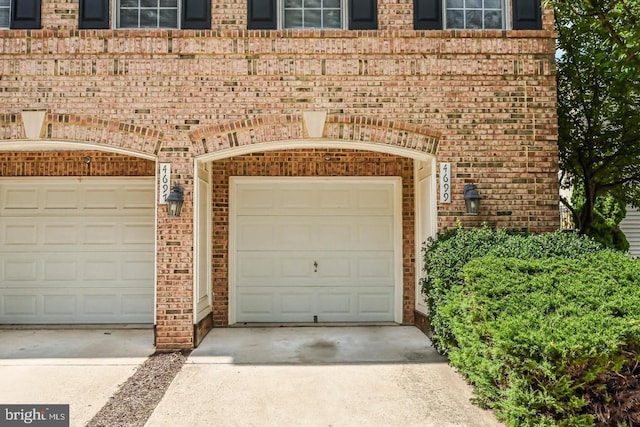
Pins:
<point x="77" y="251"/>
<point x="309" y="250"/>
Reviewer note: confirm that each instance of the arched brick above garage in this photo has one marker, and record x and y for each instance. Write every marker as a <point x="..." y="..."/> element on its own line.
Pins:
<point x="81" y="130"/>
<point x="354" y="129"/>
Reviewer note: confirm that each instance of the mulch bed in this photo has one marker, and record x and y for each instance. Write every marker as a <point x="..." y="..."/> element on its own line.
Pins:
<point x="134" y="402"/>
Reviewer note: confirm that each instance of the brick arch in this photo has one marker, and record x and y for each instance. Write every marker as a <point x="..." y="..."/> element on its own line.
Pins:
<point x="275" y="128"/>
<point x="71" y="128"/>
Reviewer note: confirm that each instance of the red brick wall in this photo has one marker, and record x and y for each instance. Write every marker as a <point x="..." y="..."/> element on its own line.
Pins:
<point x="72" y="163"/>
<point x="307" y="163"/>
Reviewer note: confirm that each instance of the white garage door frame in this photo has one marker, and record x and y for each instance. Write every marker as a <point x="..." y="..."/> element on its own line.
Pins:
<point x="106" y="185"/>
<point x="396" y="184"/>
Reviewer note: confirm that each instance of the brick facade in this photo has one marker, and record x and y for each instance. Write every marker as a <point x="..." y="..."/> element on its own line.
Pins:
<point x="483" y="101"/>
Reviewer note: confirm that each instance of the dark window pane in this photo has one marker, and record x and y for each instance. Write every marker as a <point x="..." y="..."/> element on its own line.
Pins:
<point x="292" y="3"/>
<point x="293" y="19"/>
<point x="128" y="18"/>
<point x="493" y="4"/>
<point x="312" y="18"/>
<point x="457" y="4"/>
<point x="129" y="3"/>
<point x="169" y="18"/>
<point x="335" y="4"/>
<point x="474" y="19"/>
<point x="4" y="18"/>
<point x="148" y="18"/>
<point x="149" y="3"/>
<point x="455" y="19"/>
<point x="493" y="20"/>
<point x="332" y="19"/>
<point x="169" y="3"/>
<point x="312" y="3"/>
<point x="474" y="4"/>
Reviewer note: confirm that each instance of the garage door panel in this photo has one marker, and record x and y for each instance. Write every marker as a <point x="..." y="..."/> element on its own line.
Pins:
<point x="61" y="198"/>
<point x="20" y="198"/>
<point x="19" y="270"/>
<point x="76" y="251"/>
<point x="19" y="234"/>
<point x="61" y="269"/>
<point x="136" y="233"/>
<point x="59" y="305"/>
<point x="19" y="305"/>
<point x="100" y="234"/>
<point x="295" y="302"/>
<point x="101" y="198"/>
<point x="375" y="303"/>
<point x="60" y="234"/>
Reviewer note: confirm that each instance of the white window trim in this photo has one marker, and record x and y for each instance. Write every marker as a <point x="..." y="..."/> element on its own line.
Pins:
<point x="506" y="18"/>
<point x="115" y="6"/>
<point x="343" y="15"/>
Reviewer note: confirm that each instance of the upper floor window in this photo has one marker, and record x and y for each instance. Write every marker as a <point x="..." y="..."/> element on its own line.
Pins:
<point x="475" y="14"/>
<point x="5" y="15"/>
<point x="147" y="14"/>
<point x="312" y="14"/>
<point x="322" y="14"/>
<point x="184" y="14"/>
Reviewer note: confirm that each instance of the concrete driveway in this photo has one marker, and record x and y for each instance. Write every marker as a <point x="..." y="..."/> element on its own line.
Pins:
<point x="79" y="367"/>
<point x="318" y="376"/>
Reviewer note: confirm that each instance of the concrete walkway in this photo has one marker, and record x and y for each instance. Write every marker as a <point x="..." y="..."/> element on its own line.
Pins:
<point x="318" y="376"/>
<point x="79" y="367"/>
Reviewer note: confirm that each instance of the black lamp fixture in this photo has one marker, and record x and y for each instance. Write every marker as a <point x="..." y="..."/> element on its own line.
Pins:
<point x="471" y="199"/>
<point x="174" y="201"/>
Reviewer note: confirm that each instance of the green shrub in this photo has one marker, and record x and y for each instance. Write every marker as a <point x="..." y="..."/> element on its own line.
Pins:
<point x="445" y="257"/>
<point x="540" y="339"/>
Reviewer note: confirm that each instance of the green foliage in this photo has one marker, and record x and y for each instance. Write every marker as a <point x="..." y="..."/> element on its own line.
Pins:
<point x="445" y="257"/>
<point x="608" y="212"/>
<point x="598" y="73"/>
<point x="536" y="337"/>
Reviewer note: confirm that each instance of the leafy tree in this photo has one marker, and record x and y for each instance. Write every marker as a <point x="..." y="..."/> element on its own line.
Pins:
<point x="599" y="102"/>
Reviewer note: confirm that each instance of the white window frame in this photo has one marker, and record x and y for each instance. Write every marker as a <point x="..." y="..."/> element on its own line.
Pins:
<point x="506" y="22"/>
<point x="343" y="16"/>
<point x="116" y="20"/>
<point x="8" y="9"/>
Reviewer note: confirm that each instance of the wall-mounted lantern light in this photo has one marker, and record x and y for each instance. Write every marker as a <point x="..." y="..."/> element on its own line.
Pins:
<point x="174" y="201"/>
<point x="471" y="199"/>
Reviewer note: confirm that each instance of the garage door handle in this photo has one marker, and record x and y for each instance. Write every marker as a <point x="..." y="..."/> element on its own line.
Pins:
<point x="315" y="266"/>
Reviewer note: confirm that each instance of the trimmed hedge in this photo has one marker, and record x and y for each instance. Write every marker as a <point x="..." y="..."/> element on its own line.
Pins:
<point x="550" y="342"/>
<point x="445" y="257"/>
